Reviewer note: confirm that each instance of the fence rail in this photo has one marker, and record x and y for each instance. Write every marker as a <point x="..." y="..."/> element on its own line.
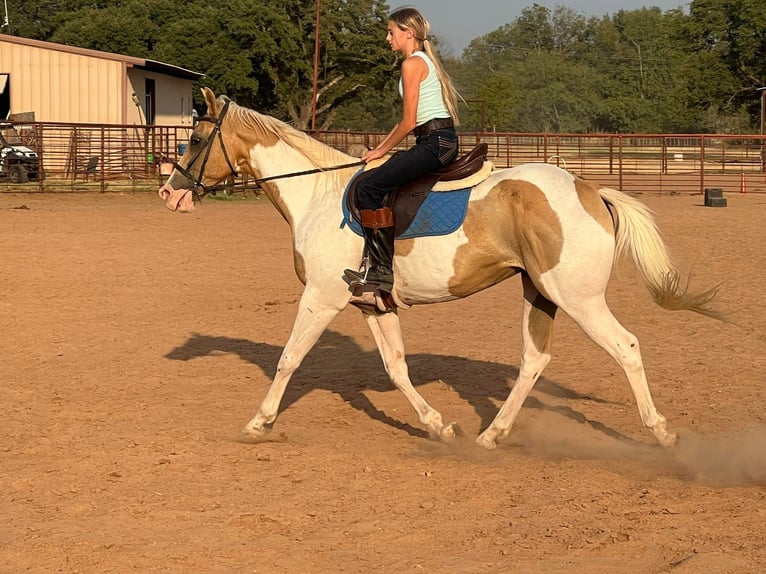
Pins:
<point x="111" y="157"/>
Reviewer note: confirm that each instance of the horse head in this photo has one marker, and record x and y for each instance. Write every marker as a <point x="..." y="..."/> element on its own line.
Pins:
<point x="207" y="160"/>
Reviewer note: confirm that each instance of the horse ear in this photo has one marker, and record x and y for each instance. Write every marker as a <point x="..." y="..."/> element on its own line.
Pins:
<point x="212" y="103"/>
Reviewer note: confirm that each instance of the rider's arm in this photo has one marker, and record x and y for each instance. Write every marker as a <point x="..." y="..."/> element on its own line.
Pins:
<point x="414" y="71"/>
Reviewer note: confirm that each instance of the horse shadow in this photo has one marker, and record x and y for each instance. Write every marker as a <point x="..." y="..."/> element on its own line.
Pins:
<point x="354" y="370"/>
<point x="350" y="369"/>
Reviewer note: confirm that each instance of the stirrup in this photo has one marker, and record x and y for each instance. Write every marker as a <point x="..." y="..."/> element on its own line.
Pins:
<point x="358" y="277"/>
<point x="361" y="279"/>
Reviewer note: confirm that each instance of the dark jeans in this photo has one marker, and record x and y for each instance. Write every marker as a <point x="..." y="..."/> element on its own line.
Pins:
<point x="430" y="152"/>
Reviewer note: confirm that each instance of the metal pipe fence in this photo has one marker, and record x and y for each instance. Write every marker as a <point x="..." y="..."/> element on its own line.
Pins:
<point x="79" y="157"/>
<point x="643" y="163"/>
<point x="82" y="157"/>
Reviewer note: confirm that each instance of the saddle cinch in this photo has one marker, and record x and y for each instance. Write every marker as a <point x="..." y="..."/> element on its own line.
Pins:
<point x="408" y="198"/>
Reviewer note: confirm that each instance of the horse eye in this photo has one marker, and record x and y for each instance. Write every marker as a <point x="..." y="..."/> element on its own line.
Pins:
<point x="195" y="140"/>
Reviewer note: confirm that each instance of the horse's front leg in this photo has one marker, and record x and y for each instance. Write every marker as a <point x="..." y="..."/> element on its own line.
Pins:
<point x="387" y="332"/>
<point x="314" y="315"/>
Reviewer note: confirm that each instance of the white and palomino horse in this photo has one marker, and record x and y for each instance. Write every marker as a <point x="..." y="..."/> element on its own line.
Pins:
<point x="562" y="234"/>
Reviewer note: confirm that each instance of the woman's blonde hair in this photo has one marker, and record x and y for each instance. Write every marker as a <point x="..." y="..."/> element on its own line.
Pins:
<point x="409" y="18"/>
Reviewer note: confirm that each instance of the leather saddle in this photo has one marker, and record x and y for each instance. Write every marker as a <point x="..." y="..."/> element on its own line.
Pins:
<point x="407" y="199"/>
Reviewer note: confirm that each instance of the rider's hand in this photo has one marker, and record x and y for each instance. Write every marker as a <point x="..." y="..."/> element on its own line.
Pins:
<point x="372" y="155"/>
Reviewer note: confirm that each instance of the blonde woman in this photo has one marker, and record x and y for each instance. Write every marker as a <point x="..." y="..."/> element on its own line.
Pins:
<point x="430" y="114"/>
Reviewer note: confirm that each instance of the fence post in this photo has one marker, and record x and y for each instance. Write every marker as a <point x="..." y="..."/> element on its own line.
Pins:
<point x="41" y="156"/>
<point x="103" y="159"/>
<point x="702" y="164"/>
<point x="619" y="156"/>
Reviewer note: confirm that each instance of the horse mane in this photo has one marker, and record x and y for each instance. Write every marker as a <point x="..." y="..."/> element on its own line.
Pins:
<point x="318" y="153"/>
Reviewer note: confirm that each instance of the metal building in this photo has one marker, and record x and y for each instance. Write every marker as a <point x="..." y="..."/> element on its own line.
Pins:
<point x="47" y="82"/>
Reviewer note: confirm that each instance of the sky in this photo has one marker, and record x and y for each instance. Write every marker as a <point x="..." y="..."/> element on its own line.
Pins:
<point x="457" y="22"/>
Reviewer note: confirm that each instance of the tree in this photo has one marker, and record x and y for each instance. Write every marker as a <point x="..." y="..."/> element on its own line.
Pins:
<point x="131" y="27"/>
<point x="728" y="41"/>
<point x="38" y="19"/>
<point x="354" y="60"/>
<point x="528" y="73"/>
<point x="641" y="63"/>
<point x="272" y="43"/>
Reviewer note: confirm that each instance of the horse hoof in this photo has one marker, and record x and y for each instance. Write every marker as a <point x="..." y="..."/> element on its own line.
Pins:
<point x="255" y="432"/>
<point x="486" y="442"/>
<point x="670" y="440"/>
<point x="449" y="432"/>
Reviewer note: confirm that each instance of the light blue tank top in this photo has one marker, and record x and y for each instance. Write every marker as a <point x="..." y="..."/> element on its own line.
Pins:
<point x="430" y="101"/>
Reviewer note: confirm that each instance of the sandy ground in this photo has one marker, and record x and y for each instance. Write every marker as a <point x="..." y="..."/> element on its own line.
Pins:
<point x="136" y="343"/>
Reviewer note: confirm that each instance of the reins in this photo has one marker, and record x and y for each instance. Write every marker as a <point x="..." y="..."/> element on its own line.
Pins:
<point x="199" y="185"/>
<point x="258" y="181"/>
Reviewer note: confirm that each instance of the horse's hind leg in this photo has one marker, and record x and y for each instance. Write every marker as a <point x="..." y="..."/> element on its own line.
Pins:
<point x="312" y="319"/>
<point x="387" y="332"/>
<point x="595" y="318"/>
<point x="537" y="333"/>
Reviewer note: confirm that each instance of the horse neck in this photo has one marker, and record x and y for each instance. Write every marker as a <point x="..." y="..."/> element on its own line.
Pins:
<point x="274" y="149"/>
<point x="296" y="196"/>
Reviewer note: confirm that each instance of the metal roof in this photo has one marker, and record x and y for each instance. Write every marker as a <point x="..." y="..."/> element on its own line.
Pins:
<point x="149" y="65"/>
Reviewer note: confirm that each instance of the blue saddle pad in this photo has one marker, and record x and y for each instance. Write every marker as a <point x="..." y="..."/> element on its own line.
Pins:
<point x="441" y="213"/>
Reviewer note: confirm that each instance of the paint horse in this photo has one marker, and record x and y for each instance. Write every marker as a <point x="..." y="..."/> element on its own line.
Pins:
<point x="561" y="234"/>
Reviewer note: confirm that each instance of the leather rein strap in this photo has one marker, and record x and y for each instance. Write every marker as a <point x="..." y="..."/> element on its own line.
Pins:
<point x="212" y="189"/>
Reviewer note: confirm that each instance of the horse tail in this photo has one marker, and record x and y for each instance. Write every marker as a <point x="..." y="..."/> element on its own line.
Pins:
<point x="637" y="233"/>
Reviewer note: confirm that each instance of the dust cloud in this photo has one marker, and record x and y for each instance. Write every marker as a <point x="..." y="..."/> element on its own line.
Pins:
<point x="730" y="459"/>
<point x="734" y="459"/>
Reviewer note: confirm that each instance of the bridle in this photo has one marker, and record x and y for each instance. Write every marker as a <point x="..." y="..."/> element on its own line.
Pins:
<point x="206" y="149"/>
<point x="200" y="190"/>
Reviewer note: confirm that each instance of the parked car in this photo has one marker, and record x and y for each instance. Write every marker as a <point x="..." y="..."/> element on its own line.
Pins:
<point x="18" y="162"/>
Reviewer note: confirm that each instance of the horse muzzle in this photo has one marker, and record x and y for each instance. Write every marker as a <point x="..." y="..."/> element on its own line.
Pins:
<point x="177" y="199"/>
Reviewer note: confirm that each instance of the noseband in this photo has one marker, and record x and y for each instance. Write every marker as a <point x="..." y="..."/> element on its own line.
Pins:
<point x="200" y="190"/>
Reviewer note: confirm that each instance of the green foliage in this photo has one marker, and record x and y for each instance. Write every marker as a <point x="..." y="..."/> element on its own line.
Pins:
<point x="125" y="28"/>
<point x="728" y="42"/>
<point x="549" y="70"/>
<point x="529" y="74"/>
<point x="636" y="71"/>
<point x="354" y="60"/>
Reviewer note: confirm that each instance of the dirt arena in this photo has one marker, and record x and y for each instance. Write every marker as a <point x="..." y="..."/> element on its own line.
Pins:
<point x="136" y="343"/>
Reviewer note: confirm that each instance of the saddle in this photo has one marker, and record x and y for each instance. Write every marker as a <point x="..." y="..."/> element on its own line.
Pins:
<point x="407" y="199"/>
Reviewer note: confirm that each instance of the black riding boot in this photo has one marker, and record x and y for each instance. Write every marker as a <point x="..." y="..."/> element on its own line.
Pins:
<point x="378" y="228"/>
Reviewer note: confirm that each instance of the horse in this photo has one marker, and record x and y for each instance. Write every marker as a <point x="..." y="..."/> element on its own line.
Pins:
<point x="562" y="234"/>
